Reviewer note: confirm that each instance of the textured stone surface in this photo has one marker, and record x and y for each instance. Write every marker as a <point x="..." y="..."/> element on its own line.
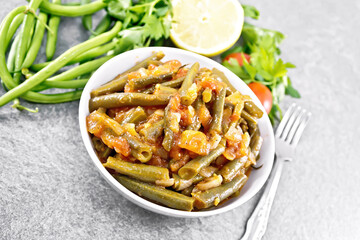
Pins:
<point x="49" y="189"/>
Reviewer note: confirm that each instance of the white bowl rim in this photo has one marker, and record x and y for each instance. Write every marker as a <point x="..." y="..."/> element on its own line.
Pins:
<point x="144" y="52"/>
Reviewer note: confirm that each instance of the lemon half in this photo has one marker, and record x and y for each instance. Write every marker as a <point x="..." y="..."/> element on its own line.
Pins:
<point x="207" y="27"/>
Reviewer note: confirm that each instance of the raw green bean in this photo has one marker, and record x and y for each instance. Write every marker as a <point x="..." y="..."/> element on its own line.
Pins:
<point x="13" y="27"/>
<point x="128" y="99"/>
<point x="134" y="115"/>
<point x="86" y="19"/>
<point x="152" y="133"/>
<point x="36" y="40"/>
<point x="92" y="53"/>
<point x="252" y="109"/>
<point x="231" y="169"/>
<point x="158" y="194"/>
<point x="61" y="61"/>
<point x="78" y="83"/>
<point x="187" y="97"/>
<point x="72" y="11"/>
<point x="6" y="76"/>
<point x="12" y="54"/>
<point x="248" y="117"/>
<point x="54" y="23"/>
<point x="143" y="172"/>
<point x="218" y="111"/>
<point x="138" y="83"/>
<point x="216" y="195"/>
<point x="25" y="36"/>
<point x="192" y="168"/>
<point x="168" y="133"/>
<point x="103" y="26"/>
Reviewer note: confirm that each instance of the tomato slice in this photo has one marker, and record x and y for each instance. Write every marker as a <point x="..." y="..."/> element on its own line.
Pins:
<point x="239" y="57"/>
<point x="263" y="93"/>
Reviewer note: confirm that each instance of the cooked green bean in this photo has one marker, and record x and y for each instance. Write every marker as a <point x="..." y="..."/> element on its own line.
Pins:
<point x="128" y="99"/>
<point x="23" y="88"/>
<point x="160" y="89"/>
<point x="86" y="19"/>
<point x="139" y="150"/>
<point x="143" y="172"/>
<point x="218" y="111"/>
<point x="256" y="143"/>
<point x="25" y="36"/>
<point x="103" y="26"/>
<point x="145" y="63"/>
<point x="72" y="11"/>
<point x="13" y="28"/>
<point x="231" y="169"/>
<point x="36" y="40"/>
<point x="174" y="83"/>
<point x="181" y="184"/>
<point x="54" y="22"/>
<point x="137" y="83"/>
<point x="213" y="196"/>
<point x="196" y="124"/>
<point x="252" y="109"/>
<point x="168" y="133"/>
<point x="134" y="115"/>
<point x="224" y="79"/>
<point x="152" y="133"/>
<point x="187" y="94"/>
<point x="248" y="117"/>
<point x="158" y="194"/>
<point x="192" y="168"/>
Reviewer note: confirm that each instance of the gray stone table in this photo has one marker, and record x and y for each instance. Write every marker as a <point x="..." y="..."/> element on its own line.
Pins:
<point x="49" y="189"/>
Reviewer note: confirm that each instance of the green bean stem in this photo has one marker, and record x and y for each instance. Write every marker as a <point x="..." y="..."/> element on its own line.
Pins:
<point x="158" y="194"/>
<point x="36" y="40"/>
<point x="72" y="11"/>
<point x="61" y="61"/>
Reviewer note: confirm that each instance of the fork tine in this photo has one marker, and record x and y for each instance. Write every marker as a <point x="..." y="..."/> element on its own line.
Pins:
<point x="300" y="129"/>
<point x="295" y="126"/>
<point x="284" y="120"/>
<point x="290" y="123"/>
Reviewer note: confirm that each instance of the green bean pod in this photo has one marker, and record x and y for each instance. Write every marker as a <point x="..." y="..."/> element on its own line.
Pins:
<point x="196" y="124"/>
<point x="138" y="83"/>
<point x="103" y="26"/>
<point x="135" y="115"/>
<point x="143" y="172"/>
<point x="192" y="168"/>
<point x="157" y="194"/>
<point x="36" y="40"/>
<point x="252" y="109"/>
<point x="139" y="150"/>
<point x="12" y="54"/>
<point x="245" y="115"/>
<point x="230" y="88"/>
<point x="22" y="89"/>
<point x="187" y="97"/>
<point x="145" y="63"/>
<point x="174" y="83"/>
<point x="231" y="169"/>
<point x="256" y="143"/>
<point x="13" y="28"/>
<point x="25" y="36"/>
<point x="152" y="133"/>
<point x="160" y="89"/>
<point x="71" y="10"/>
<point x="86" y="19"/>
<point x="128" y="99"/>
<point x="54" y="22"/>
<point x="213" y="196"/>
<point x="218" y="111"/>
<point x="86" y="56"/>
<point x="168" y="133"/>
<point x="77" y="83"/>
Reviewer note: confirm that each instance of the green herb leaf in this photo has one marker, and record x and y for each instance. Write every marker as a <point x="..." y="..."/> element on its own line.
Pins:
<point x="250" y="11"/>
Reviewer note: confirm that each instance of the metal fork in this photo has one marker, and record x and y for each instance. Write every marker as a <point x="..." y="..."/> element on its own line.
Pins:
<point x="287" y="137"/>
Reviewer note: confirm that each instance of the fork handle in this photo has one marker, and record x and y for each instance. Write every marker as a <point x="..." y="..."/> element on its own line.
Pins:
<point x="257" y="223"/>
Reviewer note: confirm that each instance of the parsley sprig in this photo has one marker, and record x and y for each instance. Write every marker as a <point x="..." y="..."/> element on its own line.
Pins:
<point x="265" y="66"/>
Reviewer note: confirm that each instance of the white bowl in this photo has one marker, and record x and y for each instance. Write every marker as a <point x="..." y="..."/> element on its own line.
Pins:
<point x="124" y="61"/>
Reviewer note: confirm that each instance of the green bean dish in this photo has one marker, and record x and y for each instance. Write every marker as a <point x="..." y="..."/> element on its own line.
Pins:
<point x="178" y="135"/>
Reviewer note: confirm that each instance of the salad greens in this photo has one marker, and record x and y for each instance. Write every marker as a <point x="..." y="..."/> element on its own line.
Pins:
<point x="265" y="65"/>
